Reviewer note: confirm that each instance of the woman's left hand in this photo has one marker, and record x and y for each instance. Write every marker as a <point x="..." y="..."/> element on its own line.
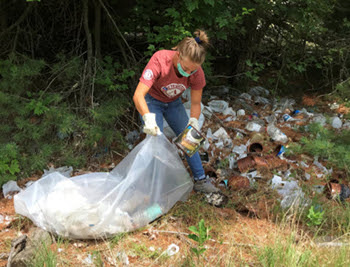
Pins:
<point x="194" y="122"/>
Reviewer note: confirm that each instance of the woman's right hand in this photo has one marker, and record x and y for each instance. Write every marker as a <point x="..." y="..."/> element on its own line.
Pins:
<point x="150" y="126"/>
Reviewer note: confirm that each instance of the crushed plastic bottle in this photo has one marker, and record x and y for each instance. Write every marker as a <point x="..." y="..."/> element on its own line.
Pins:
<point x="276" y="134"/>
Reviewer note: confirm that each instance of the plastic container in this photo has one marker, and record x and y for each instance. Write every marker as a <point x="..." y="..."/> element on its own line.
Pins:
<point x="189" y="141"/>
<point x="286" y="117"/>
<point x="276" y="134"/>
<point x="253" y="127"/>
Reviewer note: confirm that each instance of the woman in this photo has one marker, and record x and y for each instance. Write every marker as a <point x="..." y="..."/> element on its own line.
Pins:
<point x="167" y="75"/>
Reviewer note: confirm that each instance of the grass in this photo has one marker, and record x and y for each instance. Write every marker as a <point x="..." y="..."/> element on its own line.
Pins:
<point x="281" y="240"/>
<point x="284" y="238"/>
<point x="44" y="256"/>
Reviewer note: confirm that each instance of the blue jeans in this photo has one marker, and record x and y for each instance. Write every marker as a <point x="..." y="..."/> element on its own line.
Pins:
<point x="175" y="115"/>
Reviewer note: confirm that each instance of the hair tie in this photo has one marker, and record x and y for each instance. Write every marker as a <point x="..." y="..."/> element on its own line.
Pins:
<point x="198" y="40"/>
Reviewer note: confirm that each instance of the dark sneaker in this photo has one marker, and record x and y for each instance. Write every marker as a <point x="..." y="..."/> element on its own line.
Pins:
<point x="205" y="186"/>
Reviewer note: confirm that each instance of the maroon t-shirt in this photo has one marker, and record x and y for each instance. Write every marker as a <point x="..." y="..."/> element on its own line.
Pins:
<point x="165" y="85"/>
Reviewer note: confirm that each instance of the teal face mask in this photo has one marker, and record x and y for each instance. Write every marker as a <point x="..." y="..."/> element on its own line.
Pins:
<point x="182" y="72"/>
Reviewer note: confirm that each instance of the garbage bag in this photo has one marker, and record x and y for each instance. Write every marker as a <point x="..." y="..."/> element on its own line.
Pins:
<point x="143" y="186"/>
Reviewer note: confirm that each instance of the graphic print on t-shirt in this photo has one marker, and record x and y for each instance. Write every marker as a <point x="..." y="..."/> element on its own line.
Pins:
<point x="173" y="89"/>
<point x="148" y="75"/>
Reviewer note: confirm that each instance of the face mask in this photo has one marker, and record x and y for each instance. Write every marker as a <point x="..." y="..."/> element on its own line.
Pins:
<point x="182" y="72"/>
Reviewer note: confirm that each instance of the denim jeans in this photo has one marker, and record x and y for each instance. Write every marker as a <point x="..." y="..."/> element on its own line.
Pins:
<point x="175" y="115"/>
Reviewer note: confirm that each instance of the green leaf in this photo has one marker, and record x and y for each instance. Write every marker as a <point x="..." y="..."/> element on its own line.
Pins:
<point x="193" y="237"/>
<point x="193" y="229"/>
<point x="210" y="2"/>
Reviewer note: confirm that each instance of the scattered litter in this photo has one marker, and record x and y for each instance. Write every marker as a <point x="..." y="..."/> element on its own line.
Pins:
<point x="218" y="105"/>
<point x="337" y="191"/>
<point x="246" y="96"/>
<point x="290" y="191"/>
<point x="10" y="187"/>
<point x="270" y="119"/>
<point x="229" y="111"/>
<point x="65" y="171"/>
<point x="261" y="100"/>
<point x="336" y="123"/>
<point x="276" y="134"/>
<point x="287" y="117"/>
<point x="207" y="112"/>
<point x="221" y="134"/>
<point x="123" y="258"/>
<point x="319" y="118"/>
<point x="279" y="151"/>
<point x="1" y="219"/>
<point x="240" y="112"/>
<point x="131" y="137"/>
<point x="217" y="199"/>
<point x="88" y="260"/>
<point x="240" y="150"/>
<point x="172" y="249"/>
<point x="258" y="91"/>
<point x="253" y="127"/>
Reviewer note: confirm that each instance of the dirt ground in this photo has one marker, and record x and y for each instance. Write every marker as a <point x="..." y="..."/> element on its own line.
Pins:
<point x="238" y="230"/>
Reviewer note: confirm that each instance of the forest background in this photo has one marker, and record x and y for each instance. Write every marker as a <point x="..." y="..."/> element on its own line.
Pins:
<point x="68" y="69"/>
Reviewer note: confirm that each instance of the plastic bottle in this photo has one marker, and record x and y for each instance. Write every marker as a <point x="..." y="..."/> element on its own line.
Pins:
<point x="147" y="215"/>
<point x="276" y="134"/>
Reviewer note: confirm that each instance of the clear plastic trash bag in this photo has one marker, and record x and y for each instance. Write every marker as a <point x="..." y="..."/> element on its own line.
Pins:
<point x="143" y="186"/>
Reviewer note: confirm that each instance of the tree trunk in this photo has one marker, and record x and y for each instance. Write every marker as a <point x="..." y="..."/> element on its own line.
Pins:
<point x="97" y="31"/>
<point x="87" y="79"/>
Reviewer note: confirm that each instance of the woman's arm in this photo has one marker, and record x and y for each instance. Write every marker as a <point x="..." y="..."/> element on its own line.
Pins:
<point x="139" y="98"/>
<point x="196" y="98"/>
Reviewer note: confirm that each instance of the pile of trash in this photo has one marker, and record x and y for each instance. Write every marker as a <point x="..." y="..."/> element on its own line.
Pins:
<point x="247" y="138"/>
<point x="246" y="143"/>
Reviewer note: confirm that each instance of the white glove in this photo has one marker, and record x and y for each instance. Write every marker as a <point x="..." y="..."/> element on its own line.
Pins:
<point x="150" y="126"/>
<point x="194" y="122"/>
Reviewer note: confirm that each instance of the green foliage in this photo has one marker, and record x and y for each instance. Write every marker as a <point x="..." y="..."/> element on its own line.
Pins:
<point x="327" y="144"/>
<point x="343" y="89"/>
<point x="39" y="122"/>
<point x="113" y="75"/>
<point x="315" y="216"/>
<point x="254" y="70"/>
<point x="201" y="234"/>
<point x="9" y="166"/>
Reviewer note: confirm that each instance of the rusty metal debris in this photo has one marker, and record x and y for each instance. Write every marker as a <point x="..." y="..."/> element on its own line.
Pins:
<point x="238" y="183"/>
<point x="269" y="161"/>
<point x="255" y="148"/>
<point x="245" y="164"/>
<point x="337" y="191"/>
